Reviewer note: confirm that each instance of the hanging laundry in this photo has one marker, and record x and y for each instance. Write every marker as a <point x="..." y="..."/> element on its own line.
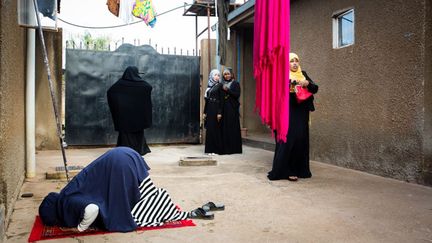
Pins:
<point x="113" y="6"/>
<point x="58" y="6"/>
<point x="125" y="12"/>
<point x="47" y="8"/>
<point x="144" y="10"/>
<point x="222" y="11"/>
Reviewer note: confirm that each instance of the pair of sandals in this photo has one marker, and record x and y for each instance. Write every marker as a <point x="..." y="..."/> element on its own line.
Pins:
<point x="204" y="212"/>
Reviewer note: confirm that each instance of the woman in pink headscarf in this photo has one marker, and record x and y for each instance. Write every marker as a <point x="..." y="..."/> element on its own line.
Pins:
<point x="291" y="158"/>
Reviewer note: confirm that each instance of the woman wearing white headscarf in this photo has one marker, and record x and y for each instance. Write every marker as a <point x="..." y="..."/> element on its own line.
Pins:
<point x="213" y="113"/>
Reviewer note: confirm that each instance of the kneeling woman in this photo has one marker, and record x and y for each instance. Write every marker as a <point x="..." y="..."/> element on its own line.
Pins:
<point x="115" y="193"/>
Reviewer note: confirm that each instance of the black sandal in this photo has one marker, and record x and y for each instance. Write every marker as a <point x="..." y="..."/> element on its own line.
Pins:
<point x="200" y="213"/>
<point x="211" y="206"/>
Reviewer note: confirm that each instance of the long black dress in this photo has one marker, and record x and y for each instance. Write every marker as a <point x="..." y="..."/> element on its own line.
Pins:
<point x="129" y="100"/>
<point x="213" y="107"/>
<point x="292" y="158"/>
<point x="231" y="134"/>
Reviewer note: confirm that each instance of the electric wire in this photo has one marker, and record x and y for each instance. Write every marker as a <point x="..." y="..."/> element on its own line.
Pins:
<point x="123" y="25"/>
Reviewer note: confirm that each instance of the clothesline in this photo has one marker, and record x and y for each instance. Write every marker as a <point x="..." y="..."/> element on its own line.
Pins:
<point x="123" y="25"/>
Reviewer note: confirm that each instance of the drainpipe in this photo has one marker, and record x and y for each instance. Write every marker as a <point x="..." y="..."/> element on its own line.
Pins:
<point x="217" y="58"/>
<point x="30" y="105"/>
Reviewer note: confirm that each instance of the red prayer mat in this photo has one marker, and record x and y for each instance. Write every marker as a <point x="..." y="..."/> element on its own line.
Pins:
<point x="42" y="232"/>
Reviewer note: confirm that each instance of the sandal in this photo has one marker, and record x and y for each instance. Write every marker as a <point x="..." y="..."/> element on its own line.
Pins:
<point x="200" y="213"/>
<point x="292" y="178"/>
<point x="211" y="206"/>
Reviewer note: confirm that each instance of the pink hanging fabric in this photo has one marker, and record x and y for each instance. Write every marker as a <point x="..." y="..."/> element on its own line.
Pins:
<point x="271" y="63"/>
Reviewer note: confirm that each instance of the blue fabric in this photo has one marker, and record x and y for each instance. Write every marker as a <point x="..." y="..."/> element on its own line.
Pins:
<point x="48" y="209"/>
<point x="112" y="183"/>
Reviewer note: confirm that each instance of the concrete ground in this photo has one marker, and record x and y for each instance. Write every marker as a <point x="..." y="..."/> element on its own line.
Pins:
<point x="335" y="205"/>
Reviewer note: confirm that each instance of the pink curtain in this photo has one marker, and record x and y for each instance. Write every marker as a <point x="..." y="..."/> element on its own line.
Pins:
<point x="271" y="63"/>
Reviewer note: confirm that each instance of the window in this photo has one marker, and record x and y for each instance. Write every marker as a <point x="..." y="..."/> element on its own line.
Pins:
<point x="343" y="28"/>
<point x="47" y="11"/>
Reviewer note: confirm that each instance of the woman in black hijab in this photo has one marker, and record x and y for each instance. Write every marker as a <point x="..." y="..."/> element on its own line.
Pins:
<point x="231" y="134"/>
<point x="129" y="100"/>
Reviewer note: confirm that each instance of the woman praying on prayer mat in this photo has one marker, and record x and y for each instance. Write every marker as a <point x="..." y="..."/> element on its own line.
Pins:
<point x="291" y="159"/>
<point x="231" y="134"/>
<point x="115" y="193"/>
<point x="213" y="113"/>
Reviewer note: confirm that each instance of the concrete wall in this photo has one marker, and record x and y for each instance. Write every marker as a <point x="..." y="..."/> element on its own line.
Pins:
<point x="46" y="130"/>
<point x="249" y="118"/>
<point x="374" y="99"/>
<point x="12" y="109"/>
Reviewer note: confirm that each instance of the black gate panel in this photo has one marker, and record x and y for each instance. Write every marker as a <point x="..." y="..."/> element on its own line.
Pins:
<point x="175" y="95"/>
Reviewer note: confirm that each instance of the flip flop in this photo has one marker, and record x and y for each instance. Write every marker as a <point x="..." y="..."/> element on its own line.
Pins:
<point x="211" y="206"/>
<point x="200" y="213"/>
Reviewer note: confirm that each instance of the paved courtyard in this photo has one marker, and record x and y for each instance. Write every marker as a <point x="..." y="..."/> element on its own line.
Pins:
<point x="335" y="205"/>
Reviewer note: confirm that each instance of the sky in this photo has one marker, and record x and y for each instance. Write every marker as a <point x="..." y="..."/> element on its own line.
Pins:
<point x="171" y="29"/>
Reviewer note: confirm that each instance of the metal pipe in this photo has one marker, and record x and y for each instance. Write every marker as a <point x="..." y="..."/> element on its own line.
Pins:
<point x="53" y="99"/>
<point x="217" y="58"/>
<point x="30" y="105"/>
<point x="208" y="37"/>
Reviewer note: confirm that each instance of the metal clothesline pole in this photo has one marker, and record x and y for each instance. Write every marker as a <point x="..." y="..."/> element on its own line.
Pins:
<point x="53" y="100"/>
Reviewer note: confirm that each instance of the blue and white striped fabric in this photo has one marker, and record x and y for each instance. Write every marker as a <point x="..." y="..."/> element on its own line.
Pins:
<point x="155" y="206"/>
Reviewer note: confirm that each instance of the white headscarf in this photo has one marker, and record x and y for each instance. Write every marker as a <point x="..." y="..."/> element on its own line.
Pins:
<point x="211" y="81"/>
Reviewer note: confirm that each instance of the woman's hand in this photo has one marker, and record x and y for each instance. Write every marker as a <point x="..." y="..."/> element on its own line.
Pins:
<point x="224" y="87"/>
<point x="303" y="83"/>
<point x="66" y="229"/>
<point x="219" y="117"/>
<point x="204" y="116"/>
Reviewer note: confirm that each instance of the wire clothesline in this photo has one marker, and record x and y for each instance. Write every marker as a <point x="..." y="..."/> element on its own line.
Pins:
<point x="123" y="25"/>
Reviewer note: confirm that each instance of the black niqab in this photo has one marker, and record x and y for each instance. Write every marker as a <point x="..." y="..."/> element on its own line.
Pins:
<point x="129" y="100"/>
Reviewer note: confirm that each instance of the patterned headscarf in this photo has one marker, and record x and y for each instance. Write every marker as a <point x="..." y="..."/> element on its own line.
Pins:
<point x="228" y="70"/>
<point x="227" y="83"/>
<point x="211" y="81"/>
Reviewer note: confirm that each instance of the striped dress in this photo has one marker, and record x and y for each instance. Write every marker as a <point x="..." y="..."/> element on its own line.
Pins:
<point x="155" y="206"/>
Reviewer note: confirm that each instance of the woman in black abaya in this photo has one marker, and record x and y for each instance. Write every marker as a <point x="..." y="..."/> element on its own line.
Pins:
<point x="291" y="159"/>
<point x="231" y="135"/>
<point x="129" y="100"/>
<point x="213" y="114"/>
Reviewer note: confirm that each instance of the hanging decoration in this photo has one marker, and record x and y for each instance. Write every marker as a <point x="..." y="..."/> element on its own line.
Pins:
<point x="144" y="10"/>
<point x="271" y="64"/>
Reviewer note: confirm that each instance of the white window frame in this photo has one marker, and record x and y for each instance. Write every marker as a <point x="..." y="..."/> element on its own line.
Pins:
<point x="336" y="30"/>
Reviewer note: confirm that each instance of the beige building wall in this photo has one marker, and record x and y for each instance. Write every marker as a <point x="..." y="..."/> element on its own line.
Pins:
<point x="12" y="109"/>
<point x="46" y="130"/>
<point x="241" y="60"/>
<point x="13" y="46"/>
<point x="373" y="109"/>
<point x="205" y="68"/>
<point x="251" y="120"/>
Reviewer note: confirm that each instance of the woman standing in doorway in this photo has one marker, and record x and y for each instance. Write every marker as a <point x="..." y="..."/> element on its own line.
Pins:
<point x="291" y="159"/>
<point x="231" y="135"/>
